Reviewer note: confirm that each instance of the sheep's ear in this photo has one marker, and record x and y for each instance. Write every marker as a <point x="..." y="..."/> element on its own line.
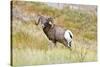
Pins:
<point x="50" y="19"/>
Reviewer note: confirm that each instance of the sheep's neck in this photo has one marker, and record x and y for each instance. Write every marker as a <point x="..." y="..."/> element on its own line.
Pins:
<point x="46" y="29"/>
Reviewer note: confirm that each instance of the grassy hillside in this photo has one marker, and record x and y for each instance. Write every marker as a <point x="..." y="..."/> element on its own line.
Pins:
<point x="30" y="45"/>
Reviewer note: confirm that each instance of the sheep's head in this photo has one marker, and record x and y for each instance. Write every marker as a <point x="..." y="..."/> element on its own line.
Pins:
<point x="45" y="21"/>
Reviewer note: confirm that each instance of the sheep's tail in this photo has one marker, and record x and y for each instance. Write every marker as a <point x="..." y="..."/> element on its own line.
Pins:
<point x="70" y="33"/>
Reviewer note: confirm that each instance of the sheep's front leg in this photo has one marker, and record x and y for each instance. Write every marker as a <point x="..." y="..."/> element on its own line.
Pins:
<point x="66" y="44"/>
<point x="51" y="44"/>
<point x="54" y="42"/>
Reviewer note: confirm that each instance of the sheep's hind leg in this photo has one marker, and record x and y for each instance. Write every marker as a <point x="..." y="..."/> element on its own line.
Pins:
<point x="66" y="45"/>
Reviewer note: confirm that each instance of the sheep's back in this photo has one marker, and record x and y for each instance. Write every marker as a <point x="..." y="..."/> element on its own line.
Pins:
<point x="59" y="34"/>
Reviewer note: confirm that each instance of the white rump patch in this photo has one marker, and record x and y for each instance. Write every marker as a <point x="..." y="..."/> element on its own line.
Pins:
<point x="67" y="35"/>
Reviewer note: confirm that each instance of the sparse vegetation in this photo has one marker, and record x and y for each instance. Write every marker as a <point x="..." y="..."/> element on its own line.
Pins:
<point x="30" y="45"/>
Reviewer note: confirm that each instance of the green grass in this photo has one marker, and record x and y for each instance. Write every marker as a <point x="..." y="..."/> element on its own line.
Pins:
<point x="29" y="56"/>
<point x="30" y="44"/>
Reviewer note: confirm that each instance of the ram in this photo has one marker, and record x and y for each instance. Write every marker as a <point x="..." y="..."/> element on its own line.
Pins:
<point x="54" y="32"/>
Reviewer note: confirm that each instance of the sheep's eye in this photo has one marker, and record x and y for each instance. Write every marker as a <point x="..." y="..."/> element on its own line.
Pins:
<point x="46" y="24"/>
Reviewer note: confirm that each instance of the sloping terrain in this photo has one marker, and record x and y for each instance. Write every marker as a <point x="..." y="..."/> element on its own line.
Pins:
<point x="30" y="45"/>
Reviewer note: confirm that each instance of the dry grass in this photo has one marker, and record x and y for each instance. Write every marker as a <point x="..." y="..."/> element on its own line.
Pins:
<point x="30" y="44"/>
<point x="27" y="56"/>
<point x="33" y="57"/>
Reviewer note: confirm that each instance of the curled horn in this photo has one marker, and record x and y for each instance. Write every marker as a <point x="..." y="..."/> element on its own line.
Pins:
<point x="38" y="20"/>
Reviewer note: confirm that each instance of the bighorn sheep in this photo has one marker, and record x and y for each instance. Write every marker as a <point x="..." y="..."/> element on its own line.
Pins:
<point x="55" y="33"/>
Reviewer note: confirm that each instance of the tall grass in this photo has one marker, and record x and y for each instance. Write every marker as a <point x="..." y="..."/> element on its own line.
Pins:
<point x="27" y="56"/>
